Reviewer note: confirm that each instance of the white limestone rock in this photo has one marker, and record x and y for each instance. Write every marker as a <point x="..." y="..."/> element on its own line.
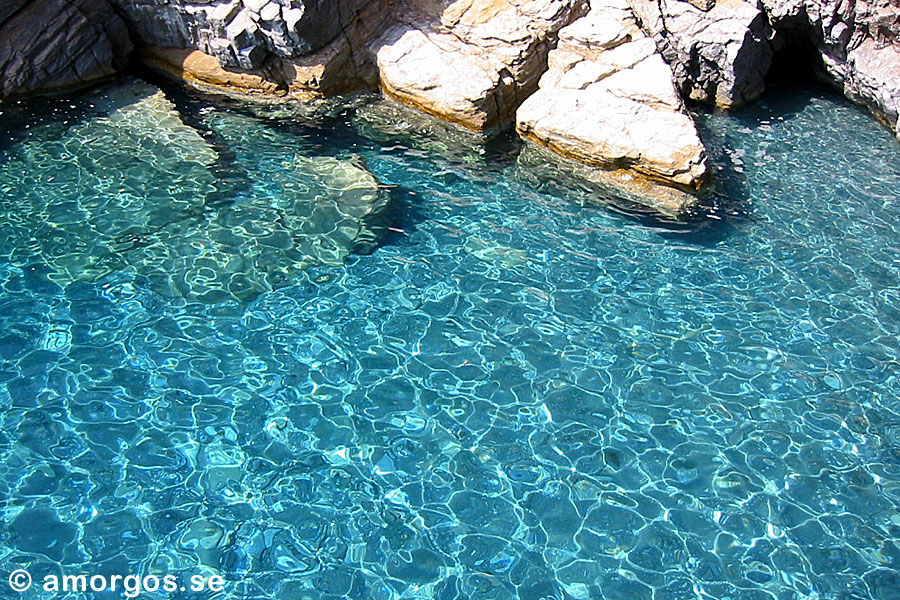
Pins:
<point x="471" y="62"/>
<point x="608" y="100"/>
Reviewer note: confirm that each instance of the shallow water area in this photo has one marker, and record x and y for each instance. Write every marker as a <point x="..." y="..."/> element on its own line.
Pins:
<point x="344" y="354"/>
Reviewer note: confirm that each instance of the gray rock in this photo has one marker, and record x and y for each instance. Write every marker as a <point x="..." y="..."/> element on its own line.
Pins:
<point x="9" y="7"/>
<point x="240" y="33"/>
<point x="723" y="53"/>
<point x="860" y="47"/>
<point x="720" y="55"/>
<point x="51" y="45"/>
<point x="870" y="75"/>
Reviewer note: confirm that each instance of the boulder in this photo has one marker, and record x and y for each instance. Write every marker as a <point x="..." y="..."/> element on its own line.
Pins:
<point x="471" y="62"/>
<point x="608" y="99"/>
<point x="52" y="45"/>
<point x="719" y="55"/>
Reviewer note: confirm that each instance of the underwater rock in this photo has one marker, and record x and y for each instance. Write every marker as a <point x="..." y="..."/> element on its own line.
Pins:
<point x="53" y="45"/>
<point x="303" y="211"/>
<point x="582" y="183"/>
<point x="386" y="120"/>
<point x="142" y="193"/>
<point x="132" y="168"/>
<point x="329" y="209"/>
<point x="471" y="62"/>
<point x="608" y="100"/>
<point x="497" y="254"/>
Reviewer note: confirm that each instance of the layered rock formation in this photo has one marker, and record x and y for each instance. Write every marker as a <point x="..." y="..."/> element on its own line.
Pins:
<point x="720" y="50"/>
<point x="54" y="45"/>
<point x="241" y="33"/>
<point x="470" y="61"/>
<point x="608" y="99"/>
<point x="859" y="44"/>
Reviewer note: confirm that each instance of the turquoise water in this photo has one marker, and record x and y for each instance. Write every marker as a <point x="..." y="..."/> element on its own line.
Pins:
<point x="347" y="352"/>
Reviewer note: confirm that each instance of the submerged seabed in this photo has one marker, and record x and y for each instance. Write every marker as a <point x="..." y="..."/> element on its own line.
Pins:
<point x="519" y="393"/>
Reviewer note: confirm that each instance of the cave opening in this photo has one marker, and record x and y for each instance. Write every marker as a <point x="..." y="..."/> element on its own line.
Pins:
<point x="796" y="60"/>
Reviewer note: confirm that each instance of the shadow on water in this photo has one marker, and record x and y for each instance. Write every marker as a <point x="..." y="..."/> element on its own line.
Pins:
<point x="19" y="118"/>
<point x="231" y="178"/>
<point x="792" y="87"/>
<point x="320" y="126"/>
<point x="782" y="100"/>
<point x="405" y="214"/>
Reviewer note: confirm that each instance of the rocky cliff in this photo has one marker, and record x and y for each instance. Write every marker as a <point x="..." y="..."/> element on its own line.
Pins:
<point x="58" y="44"/>
<point x="594" y="80"/>
<point x="721" y="50"/>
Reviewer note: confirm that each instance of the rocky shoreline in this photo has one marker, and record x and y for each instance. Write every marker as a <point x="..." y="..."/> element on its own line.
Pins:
<point x="601" y="82"/>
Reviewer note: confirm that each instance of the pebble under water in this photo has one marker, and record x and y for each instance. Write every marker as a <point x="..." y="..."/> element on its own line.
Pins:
<point x="346" y="351"/>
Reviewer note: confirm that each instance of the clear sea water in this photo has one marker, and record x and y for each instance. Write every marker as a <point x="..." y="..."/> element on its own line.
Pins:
<point x="481" y="384"/>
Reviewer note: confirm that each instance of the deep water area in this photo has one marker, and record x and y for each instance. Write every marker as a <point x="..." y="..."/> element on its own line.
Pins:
<point x="342" y="350"/>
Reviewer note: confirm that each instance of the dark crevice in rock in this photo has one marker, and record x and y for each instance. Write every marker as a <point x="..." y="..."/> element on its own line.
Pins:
<point x="796" y="58"/>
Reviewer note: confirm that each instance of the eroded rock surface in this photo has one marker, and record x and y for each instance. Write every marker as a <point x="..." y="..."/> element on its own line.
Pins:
<point x="608" y="99"/>
<point x="870" y="75"/>
<point x="240" y="33"/>
<point x="719" y="51"/>
<point x="470" y="61"/>
<point x="859" y="44"/>
<point x="52" y="45"/>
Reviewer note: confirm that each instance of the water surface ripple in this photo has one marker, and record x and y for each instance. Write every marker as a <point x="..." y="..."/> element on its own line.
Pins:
<point x="208" y="367"/>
